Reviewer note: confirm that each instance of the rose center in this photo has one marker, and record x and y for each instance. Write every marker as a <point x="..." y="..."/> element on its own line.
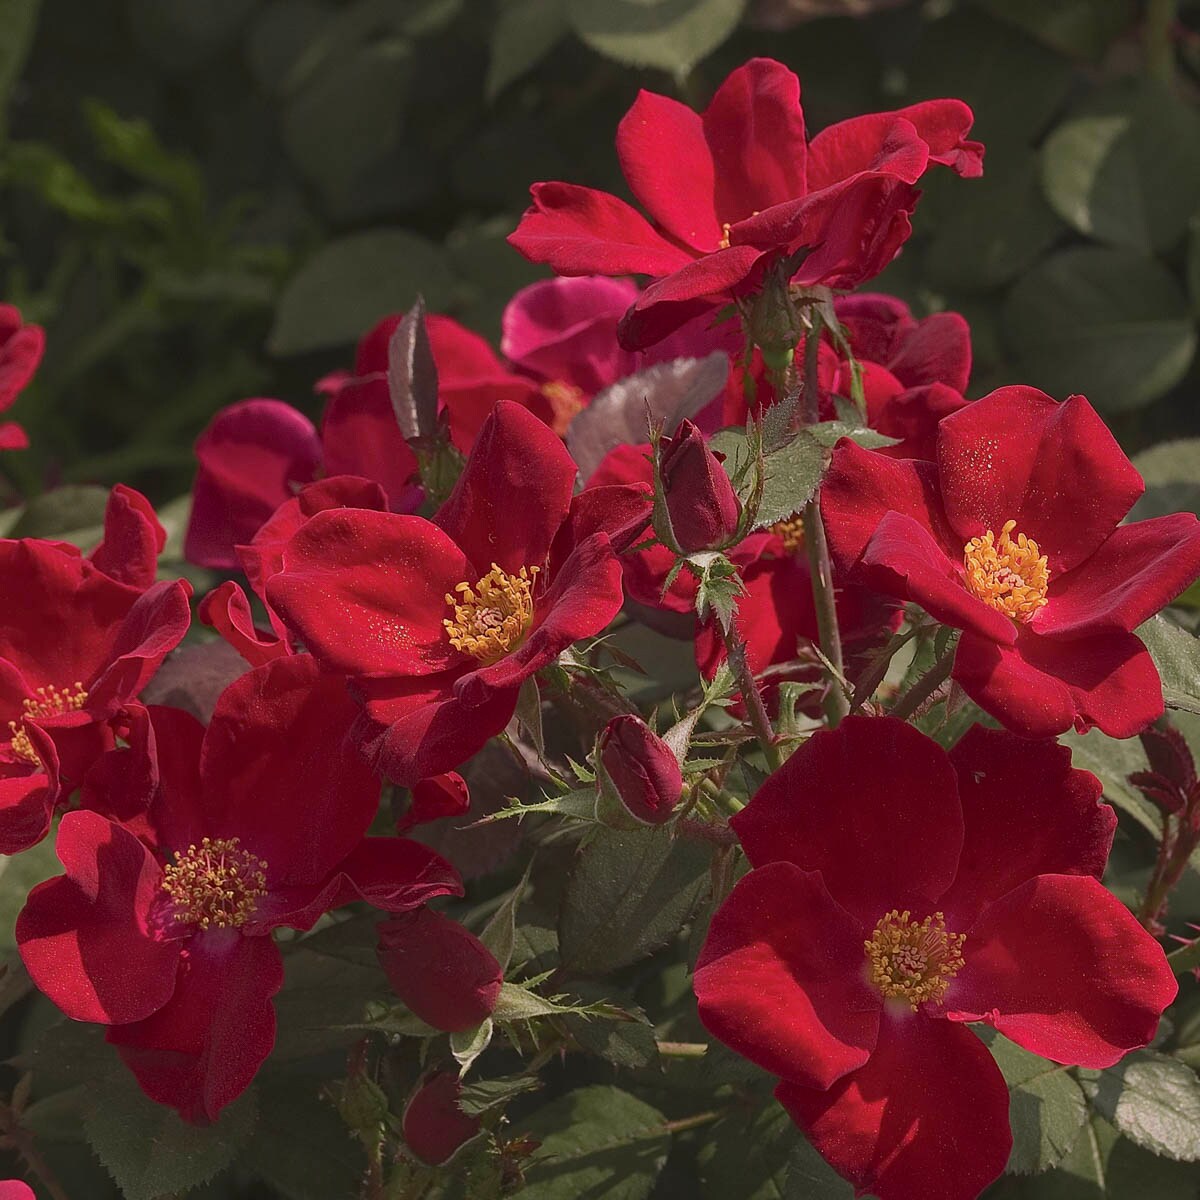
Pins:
<point x="1008" y="574"/>
<point x="913" y="960"/>
<point x="791" y="532"/>
<point x="492" y="617"/>
<point x="216" y="884"/>
<point x="45" y="702"/>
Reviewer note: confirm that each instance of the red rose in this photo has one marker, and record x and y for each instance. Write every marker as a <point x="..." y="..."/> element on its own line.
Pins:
<point x="642" y="769"/>
<point x="21" y="348"/>
<point x="703" y="506"/>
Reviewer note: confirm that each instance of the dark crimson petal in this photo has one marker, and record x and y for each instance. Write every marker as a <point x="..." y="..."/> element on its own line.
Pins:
<point x="29" y="795"/>
<point x="200" y="1051"/>
<point x="133" y="539"/>
<point x="938" y="351"/>
<point x="278" y="733"/>
<point x="122" y="781"/>
<point x="444" y="795"/>
<point x="177" y="811"/>
<point x="780" y="978"/>
<point x="433" y="1124"/>
<point x="881" y="142"/>
<point x="913" y="416"/>
<point x="1022" y="794"/>
<point x="944" y="125"/>
<point x="21" y="348"/>
<point x="667" y="162"/>
<point x="873" y="805"/>
<point x="251" y="457"/>
<point x="754" y="126"/>
<point x="861" y="488"/>
<point x="877" y="324"/>
<point x="366" y="591"/>
<point x="440" y="970"/>
<point x="12" y="436"/>
<point x="512" y="496"/>
<point x="925" y="1119"/>
<point x="1062" y="967"/>
<point x="1065" y="481"/>
<point x="580" y="231"/>
<point x="84" y="936"/>
<point x="1134" y="574"/>
<point x="227" y="610"/>
<point x="1041" y="687"/>
<point x="903" y="560"/>
<point x="621" y="510"/>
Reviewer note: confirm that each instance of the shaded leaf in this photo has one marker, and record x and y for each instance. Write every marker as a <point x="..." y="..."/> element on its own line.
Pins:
<point x="525" y="32"/>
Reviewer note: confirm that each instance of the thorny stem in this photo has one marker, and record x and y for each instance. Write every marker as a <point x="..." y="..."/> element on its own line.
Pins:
<point x="1185" y="959"/>
<point x="735" y="648"/>
<point x="1174" y="854"/>
<point x="877" y="668"/>
<point x="925" y="686"/>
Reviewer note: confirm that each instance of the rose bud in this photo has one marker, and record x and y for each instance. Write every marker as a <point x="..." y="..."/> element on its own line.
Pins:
<point x="434" y="1126"/>
<point x="641" y="768"/>
<point x="703" y="506"/>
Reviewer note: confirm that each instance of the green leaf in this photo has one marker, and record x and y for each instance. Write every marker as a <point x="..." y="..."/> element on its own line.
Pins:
<point x="792" y="475"/>
<point x="1112" y="761"/>
<point x="525" y="32"/>
<point x="149" y="1149"/>
<point x="599" y="1142"/>
<point x="18" y="874"/>
<point x="72" y="513"/>
<point x="350" y="283"/>
<point x="1153" y="1099"/>
<point x="468" y="1044"/>
<point x="518" y="1003"/>
<point x="579" y="804"/>
<point x="810" y="1177"/>
<point x="828" y="433"/>
<point x="1126" y="168"/>
<point x="18" y="19"/>
<point x="499" y="935"/>
<point x="628" y="893"/>
<point x="672" y="35"/>
<point x="1172" y="474"/>
<point x="1107" y="323"/>
<point x="484" y="1095"/>
<point x="1078" y="27"/>
<point x="529" y="713"/>
<point x="725" y="1168"/>
<point x="1176" y="653"/>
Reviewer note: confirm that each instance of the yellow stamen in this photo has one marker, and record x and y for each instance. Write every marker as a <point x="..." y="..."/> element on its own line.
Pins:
<point x="1007" y="574"/>
<point x="792" y="533"/>
<point x="565" y="398"/>
<point x="491" y="619"/>
<point x="913" y="960"/>
<point x="216" y="884"/>
<point x="45" y="702"/>
<point x="723" y="244"/>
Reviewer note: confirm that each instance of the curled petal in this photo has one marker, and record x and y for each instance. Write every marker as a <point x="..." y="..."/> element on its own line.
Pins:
<point x="133" y="539"/>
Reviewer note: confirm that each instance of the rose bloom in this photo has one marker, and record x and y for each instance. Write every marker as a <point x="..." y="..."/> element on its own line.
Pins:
<point x="21" y="348"/>
<point x="897" y="893"/>
<point x="1013" y="535"/>
<point x="730" y="190"/>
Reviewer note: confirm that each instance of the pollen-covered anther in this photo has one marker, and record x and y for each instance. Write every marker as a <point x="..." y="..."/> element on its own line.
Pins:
<point x="723" y="244"/>
<point x="1008" y="574"/>
<point x="567" y="399"/>
<point x="45" y="702"/>
<point x="215" y="885"/>
<point x="913" y="960"/>
<point x="791" y="531"/>
<point x="492" y="617"/>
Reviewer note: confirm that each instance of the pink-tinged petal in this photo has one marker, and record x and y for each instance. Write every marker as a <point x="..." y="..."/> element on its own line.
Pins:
<point x="227" y="610"/>
<point x="366" y="591"/>
<point x="1134" y="574"/>
<point x="414" y="728"/>
<point x="279" y="732"/>
<point x="468" y="405"/>
<point x="873" y="805"/>
<point x="433" y="1124"/>
<point x="202" y="1050"/>
<point x="360" y="437"/>
<point x="460" y="354"/>
<point x="14" y="1189"/>
<point x="877" y="142"/>
<point x="938" y="351"/>
<point x="133" y="539"/>
<point x="29" y="795"/>
<point x="944" y="125"/>
<point x="252" y="457"/>
<point x="861" y="488"/>
<point x="925" y="1119"/>
<point x="913" y="416"/>
<point x="440" y="970"/>
<point x="1023" y="794"/>
<point x="12" y="436"/>
<point x="1041" y="687"/>
<point x="780" y="978"/>
<point x="1062" y="967"/>
<point x="21" y="348"/>
<point x="1065" y="481"/>
<point x="584" y="597"/>
<point x="581" y="231"/>
<point x="445" y="795"/>
<point x="754" y="126"/>
<point x="84" y="936"/>
<point x="512" y="496"/>
<point x="665" y="158"/>
<point x="903" y="560"/>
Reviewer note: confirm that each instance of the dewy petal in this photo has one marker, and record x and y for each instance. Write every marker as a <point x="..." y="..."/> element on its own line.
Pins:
<point x="1041" y="687"/>
<point x="754" y="126"/>
<point x="667" y="162"/>
<point x="876" y="142"/>
<point x="1022" y="794"/>
<point x="133" y="539"/>
<point x="1134" y="574"/>
<point x="366" y="591"/>
<point x="581" y="231"/>
<point x="1065" y="481"/>
<point x="780" y="978"/>
<point x="1062" y="967"/>
<point x="873" y="805"/>
<point x="83" y="936"/>
<point x="512" y="496"/>
<point x="200" y="1052"/>
<point x="440" y="970"/>
<point x="925" y="1119"/>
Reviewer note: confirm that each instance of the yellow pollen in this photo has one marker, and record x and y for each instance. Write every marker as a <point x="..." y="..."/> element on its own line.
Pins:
<point x="216" y="884"/>
<point x="723" y="244"/>
<point x="565" y="398"/>
<point x="1007" y="574"/>
<point x="491" y="619"/>
<point x="792" y="533"/>
<point x="913" y="960"/>
<point x="45" y="702"/>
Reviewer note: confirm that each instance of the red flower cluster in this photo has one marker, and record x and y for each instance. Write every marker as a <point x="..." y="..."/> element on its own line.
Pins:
<point x="21" y="349"/>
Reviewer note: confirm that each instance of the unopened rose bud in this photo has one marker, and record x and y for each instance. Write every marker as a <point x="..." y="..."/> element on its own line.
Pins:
<point x="703" y="506"/>
<point x="641" y="768"/>
<point x="433" y="1124"/>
